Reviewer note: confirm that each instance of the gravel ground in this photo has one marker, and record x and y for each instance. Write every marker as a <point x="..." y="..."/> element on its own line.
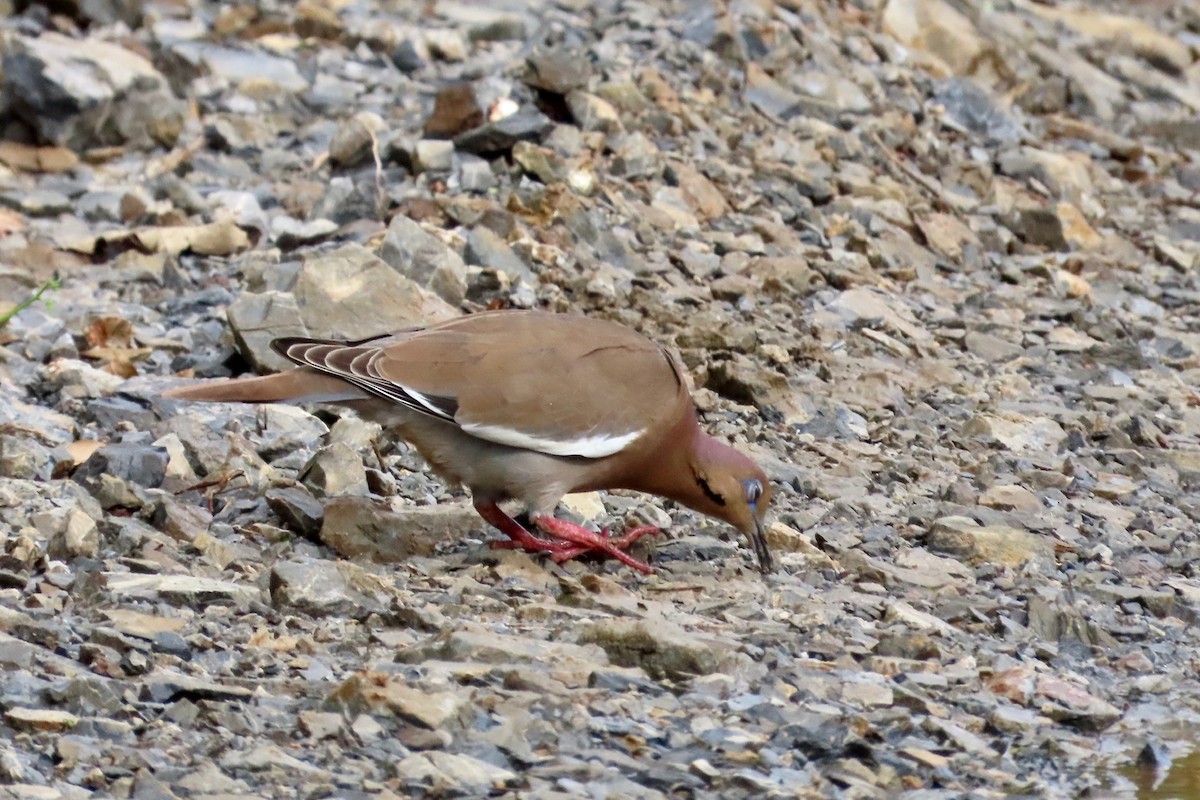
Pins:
<point x="932" y="262"/>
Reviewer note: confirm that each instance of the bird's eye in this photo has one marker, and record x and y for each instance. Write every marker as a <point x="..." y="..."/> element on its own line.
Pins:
<point x="754" y="490"/>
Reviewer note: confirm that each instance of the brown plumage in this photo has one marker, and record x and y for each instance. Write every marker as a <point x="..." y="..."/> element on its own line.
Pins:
<point x="529" y="406"/>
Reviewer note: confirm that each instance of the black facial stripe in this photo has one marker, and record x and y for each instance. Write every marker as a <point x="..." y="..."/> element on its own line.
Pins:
<point x="708" y="492"/>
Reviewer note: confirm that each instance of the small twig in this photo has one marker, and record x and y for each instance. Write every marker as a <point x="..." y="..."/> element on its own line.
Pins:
<point x="219" y="484"/>
<point x="380" y="196"/>
<point x="50" y="285"/>
<point x="925" y="182"/>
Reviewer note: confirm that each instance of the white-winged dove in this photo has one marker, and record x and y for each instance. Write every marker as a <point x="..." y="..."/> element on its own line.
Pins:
<point x="529" y="406"/>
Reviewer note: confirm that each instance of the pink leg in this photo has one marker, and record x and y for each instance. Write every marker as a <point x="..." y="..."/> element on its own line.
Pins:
<point x="518" y="537"/>
<point x="571" y="541"/>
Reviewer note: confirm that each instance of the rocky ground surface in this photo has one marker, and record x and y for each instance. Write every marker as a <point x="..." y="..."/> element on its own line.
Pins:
<point x="933" y="262"/>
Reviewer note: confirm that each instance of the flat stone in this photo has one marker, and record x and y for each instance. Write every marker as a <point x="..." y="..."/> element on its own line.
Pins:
<point x="662" y="650"/>
<point x="40" y="720"/>
<point x="352" y="294"/>
<point x="1010" y="498"/>
<point x="168" y="686"/>
<point x="360" y="527"/>
<point x="392" y="696"/>
<point x="499" y="136"/>
<point x="990" y="544"/>
<point x="1021" y="434"/>
<point x="323" y="588"/>
<point x="259" y="318"/>
<point x="466" y="774"/>
<point x="180" y="589"/>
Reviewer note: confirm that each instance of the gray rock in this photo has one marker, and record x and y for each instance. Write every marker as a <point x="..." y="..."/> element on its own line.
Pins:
<point x="180" y="590"/>
<point x="421" y="256"/>
<point x="351" y="294"/>
<point x="142" y="464"/>
<point x="432" y="155"/>
<point x="359" y="527"/>
<point x="232" y="64"/>
<point x="336" y="470"/>
<point x="322" y="588"/>
<point x="768" y="96"/>
<point x="167" y="686"/>
<point x="487" y="249"/>
<point x="498" y="137"/>
<point x="259" y="318"/>
<point x="88" y="93"/>
<point x="475" y="174"/>
<point x="299" y="510"/>
<point x="287" y="429"/>
<point x="557" y="71"/>
<point x="969" y="106"/>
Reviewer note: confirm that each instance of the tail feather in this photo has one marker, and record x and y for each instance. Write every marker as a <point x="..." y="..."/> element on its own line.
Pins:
<point x="297" y="385"/>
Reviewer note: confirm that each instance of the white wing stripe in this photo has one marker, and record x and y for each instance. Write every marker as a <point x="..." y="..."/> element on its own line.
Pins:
<point x="588" y="446"/>
<point x="423" y="400"/>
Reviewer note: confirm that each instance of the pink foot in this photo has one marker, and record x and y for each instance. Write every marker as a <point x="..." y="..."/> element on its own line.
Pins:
<point x="586" y="541"/>
<point x="571" y="540"/>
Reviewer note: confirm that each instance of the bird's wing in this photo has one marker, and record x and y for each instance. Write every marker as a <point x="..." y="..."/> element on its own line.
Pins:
<point x="558" y="384"/>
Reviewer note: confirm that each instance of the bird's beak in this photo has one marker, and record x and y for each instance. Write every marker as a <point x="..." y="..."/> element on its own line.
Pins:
<point x="758" y="540"/>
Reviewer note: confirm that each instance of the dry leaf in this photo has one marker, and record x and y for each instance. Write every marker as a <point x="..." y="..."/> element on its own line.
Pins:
<point x="118" y="360"/>
<point x="109" y="332"/>
<point x="111" y="340"/>
<point x="82" y="450"/>
<point x="37" y="159"/>
<point x="214" y="239"/>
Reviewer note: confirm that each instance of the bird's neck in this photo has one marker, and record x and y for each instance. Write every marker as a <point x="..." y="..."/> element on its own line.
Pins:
<point x="671" y="467"/>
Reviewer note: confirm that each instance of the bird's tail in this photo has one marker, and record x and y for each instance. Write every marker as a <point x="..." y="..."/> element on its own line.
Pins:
<point x="296" y="385"/>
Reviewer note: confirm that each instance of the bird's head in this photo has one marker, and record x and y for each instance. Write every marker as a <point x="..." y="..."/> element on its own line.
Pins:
<point x="731" y="487"/>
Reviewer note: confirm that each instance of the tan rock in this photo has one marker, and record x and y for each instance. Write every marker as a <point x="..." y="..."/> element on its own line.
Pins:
<point x="1065" y="176"/>
<point x="947" y="234"/>
<point x="40" y="719"/>
<point x="991" y="544"/>
<point x="1146" y="41"/>
<point x="1010" y="498"/>
<point x="1017" y="432"/>
<point x="937" y="28"/>
<point x="382" y="694"/>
